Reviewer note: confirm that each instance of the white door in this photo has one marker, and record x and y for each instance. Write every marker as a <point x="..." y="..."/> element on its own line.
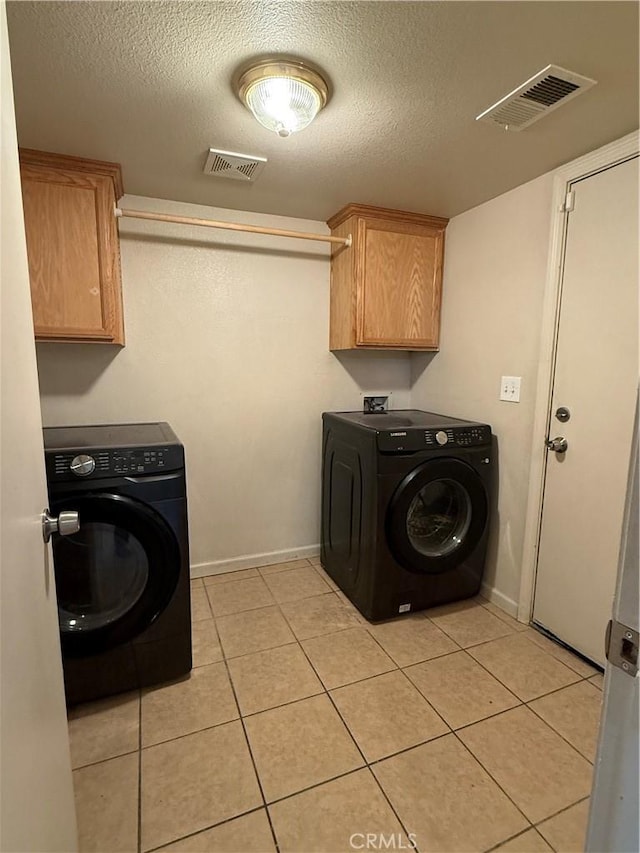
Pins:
<point x="36" y="806"/>
<point x="613" y="815"/>
<point x="595" y="379"/>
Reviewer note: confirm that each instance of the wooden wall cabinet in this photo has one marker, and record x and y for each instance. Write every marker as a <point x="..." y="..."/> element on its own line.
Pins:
<point x="73" y="247"/>
<point x="386" y="287"/>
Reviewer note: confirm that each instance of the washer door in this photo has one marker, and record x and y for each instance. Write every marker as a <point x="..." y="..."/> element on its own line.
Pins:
<point x="437" y="516"/>
<point x="116" y="575"/>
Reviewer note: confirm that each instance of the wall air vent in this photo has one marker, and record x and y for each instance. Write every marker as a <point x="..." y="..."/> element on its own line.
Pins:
<point x="238" y="167"/>
<point x="536" y="97"/>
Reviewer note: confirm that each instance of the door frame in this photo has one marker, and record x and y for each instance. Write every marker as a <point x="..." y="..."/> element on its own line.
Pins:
<point x="607" y="156"/>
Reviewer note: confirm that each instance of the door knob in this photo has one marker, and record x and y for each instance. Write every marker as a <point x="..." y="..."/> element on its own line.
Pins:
<point x="65" y="524"/>
<point x="558" y="444"/>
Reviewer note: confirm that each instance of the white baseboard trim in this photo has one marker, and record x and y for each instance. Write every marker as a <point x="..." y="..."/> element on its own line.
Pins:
<point x="250" y="561"/>
<point x="500" y="600"/>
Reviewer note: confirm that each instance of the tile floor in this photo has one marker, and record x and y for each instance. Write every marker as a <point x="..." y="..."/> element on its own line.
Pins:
<point x="305" y="727"/>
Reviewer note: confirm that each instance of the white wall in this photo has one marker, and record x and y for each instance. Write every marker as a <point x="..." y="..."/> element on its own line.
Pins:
<point x="494" y="279"/>
<point x="227" y="339"/>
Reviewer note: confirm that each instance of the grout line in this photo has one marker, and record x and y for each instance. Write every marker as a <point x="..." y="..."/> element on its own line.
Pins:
<point x="425" y="660"/>
<point x="495" y="678"/>
<point x="295" y="639"/>
<point x="561" y="811"/>
<point x="480" y="642"/>
<point x="104" y="760"/>
<point x="316" y="785"/>
<point x="344" y="723"/>
<point x="491" y="716"/>
<point x="450" y="731"/>
<point x="253" y="761"/>
<point x="326" y="691"/>
<point x="556" y="690"/>
<point x="490" y="775"/>
<point x="537" y="825"/>
<point x="188" y="734"/>
<point x="513" y="837"/>
<point x="268" y="575"/>
<point x="376" y="761"/>
<point x="357" y="746"/>
<point x="255" y="651"/>
<point x="560" y="735"/>
<point x="285" y="704"/>
<point x="205" y="829"/>
<point x="510" y="689"/>
<point x="206" y="595"/>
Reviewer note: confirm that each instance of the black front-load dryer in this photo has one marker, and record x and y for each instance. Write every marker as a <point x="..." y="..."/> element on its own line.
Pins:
<point x="405" y="508"/>
<point x="122" y="580"/>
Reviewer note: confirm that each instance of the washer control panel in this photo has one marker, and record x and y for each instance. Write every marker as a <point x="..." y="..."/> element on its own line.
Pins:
<point x="460" y="436"/>
<point x="410" y="440"/>
<point x="113" y="462"/>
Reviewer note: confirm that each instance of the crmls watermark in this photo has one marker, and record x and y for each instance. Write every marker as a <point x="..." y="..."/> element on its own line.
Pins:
<point x="381" y="841"/>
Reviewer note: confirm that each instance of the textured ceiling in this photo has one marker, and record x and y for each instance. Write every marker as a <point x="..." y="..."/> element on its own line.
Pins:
<point x="147" y="84"/>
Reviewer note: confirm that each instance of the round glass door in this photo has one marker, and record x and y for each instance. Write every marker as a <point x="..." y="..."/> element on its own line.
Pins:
<point x="115" y="575"/>
<point x="437" y="516"/>
<point x="106" y="570"/>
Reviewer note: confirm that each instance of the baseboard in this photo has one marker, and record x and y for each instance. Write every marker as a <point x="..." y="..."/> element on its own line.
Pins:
<point x="250" y="561"/>
<point x="500" y="600"/>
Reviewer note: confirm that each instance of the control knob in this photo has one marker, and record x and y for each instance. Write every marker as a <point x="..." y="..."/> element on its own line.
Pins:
<point x="441" y="437"/>
<point x="83" y="465"/>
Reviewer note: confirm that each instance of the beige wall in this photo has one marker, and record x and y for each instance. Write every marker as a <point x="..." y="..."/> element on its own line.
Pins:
<point x="494" y="279"/>
<point x="227" y="340"/>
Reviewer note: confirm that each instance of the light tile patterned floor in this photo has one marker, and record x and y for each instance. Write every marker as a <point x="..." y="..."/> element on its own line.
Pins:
<point x="305" y="727"/>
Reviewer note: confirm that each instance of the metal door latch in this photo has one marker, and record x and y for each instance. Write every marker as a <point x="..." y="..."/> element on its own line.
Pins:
<point x="621" y="647"/>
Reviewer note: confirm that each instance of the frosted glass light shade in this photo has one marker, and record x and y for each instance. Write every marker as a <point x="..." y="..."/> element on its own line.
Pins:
<point x="284" y="97"/>
<point x="283" y="104"/>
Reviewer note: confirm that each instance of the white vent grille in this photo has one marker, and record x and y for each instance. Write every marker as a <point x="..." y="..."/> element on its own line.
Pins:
<point x="536" y="97"/>
<point x="238" y="167"/>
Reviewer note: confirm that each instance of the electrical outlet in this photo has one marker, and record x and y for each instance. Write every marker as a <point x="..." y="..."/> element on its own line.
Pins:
<point x="510" y="388"/>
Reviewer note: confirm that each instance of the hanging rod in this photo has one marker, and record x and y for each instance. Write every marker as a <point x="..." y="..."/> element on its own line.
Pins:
<point x="231" y="226"/>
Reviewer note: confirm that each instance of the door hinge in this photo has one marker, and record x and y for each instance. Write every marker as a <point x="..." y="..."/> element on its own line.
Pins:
<point x="621" y="647"/>
<point x="569" y="202"/>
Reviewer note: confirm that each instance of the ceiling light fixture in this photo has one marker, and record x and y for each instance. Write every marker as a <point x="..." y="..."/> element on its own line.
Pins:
<point x="284" y="95"/>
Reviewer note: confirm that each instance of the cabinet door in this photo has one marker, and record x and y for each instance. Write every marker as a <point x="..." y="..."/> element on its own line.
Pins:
<point x="74" y="263"/>
<point x="399" y="284"/>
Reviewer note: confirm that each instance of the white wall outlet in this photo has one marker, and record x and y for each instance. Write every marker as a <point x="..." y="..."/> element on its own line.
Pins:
<point x="510" y="388"/>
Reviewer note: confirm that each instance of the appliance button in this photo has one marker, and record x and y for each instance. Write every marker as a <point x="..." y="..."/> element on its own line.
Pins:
<point x="83" y="465"/>
<point x="441" y="437"/>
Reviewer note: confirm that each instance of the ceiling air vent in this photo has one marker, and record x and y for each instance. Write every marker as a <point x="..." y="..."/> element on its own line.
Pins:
<point x="238" y="167"/>
<point x="539" y="95"/>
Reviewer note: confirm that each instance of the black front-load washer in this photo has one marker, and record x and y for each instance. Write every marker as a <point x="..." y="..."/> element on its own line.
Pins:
<point x="405" y="508"/>
<point x="122" y="581"/>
